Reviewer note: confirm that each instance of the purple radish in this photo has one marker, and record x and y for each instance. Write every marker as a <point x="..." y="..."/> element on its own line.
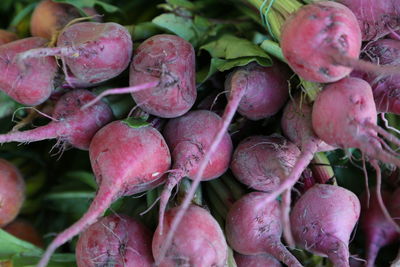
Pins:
<point x="323" y="219"/>
<point x="199" y="241"/>
<point x="70" y="124"/>
<point x="321" y="43"/>
<point x="377" y="229"/>
<point x="91" y="52"/>
<point x="168" y="60"/>
<point x="126" y="158"/>
<point x="188" y="137"/>
<point x="254" y="228"/>
<point x="376" y="18"/>
<point x="32" y="83"/>
<point x="238" y="84"/>
<point x="263" y="162"/>
<point x="116" y="240"/>
<point x="261" y="260"/>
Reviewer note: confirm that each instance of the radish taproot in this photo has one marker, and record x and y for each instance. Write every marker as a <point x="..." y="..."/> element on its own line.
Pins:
<point x="162" y="77"/>
<point x="323" y="219"/>
<point x="12" y="192"/>
<point x="253" y="227"/>
<point x="263" y="162"/>
<point x="115" y="240"/>
<point x="376" y="18"/>
<point x="377" y="229"/>
<point x="70" y="124"/>
<point x="188" y="137"/>
<point x="91" y="52"/>
<point x="321" y="42"/>
<point x="32" y="83"/>
<point x="120" y="158"/>
<point x="199" y="240"/>
<point x="237" y="83"/>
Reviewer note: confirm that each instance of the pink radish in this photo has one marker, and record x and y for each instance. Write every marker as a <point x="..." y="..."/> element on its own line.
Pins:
<point x="238" y="84"/>
<point x="188" y="137"/>
<point x="12" y="192"/>
<point x="261" y="260"/>
<point x="91" y="52"/>
<point x="254" y="228"/>
<point x="263" y="162"/>
<point x="323" y="219"/>
<point x="127" y="158"/>
<point x="321" y="43"/>
<point x="377" y="229"/>
<point x="70" y="124"/>
<point x="199" y="240"/>
<point x="32" y="83"/>
<point x="116" y="240"/>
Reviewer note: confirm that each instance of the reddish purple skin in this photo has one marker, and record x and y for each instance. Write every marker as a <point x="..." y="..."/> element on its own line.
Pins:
<point x="297" y="126"/>
<point x="106" y="53"/>
<point x="262" y="162"/>
<point x="394" y="207"/>
<point x="12" y="192"/>
<point x="31" y="82"/>
<point x="71" y="124"/>
<point x="386" y="89"/>
<point x="377" y="229"/>
<point x="339" y="124"/>
<point x="262" y="260"/>
<point x="316" y="33"/>
<point x="199" y="240"/>
<point x="323" y="219"/>
<point x="116" y="240"/>
<point x="190" y="135"/>
<point x="80" y="125"/>
<point x="266" y="89"/>
<point x="255" y="228"/>
<point x="136" y="158"/>
<point x="374" y="17"/>
<point x="170" y="60"/>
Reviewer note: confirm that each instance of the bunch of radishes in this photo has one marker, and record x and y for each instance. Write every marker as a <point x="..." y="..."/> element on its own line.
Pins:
<point x="169" y="138"/>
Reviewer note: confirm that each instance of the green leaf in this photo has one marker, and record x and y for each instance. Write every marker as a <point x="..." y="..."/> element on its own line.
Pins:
<point x="182" y="3"/>
<point x="180" y="26"/>
<point x="90" y="3"/>
<point x="135" y="122"/>
<point x="10" y="245"/>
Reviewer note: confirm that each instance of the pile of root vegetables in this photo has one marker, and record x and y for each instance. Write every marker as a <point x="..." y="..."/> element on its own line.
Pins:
<point x="200" y="133"/>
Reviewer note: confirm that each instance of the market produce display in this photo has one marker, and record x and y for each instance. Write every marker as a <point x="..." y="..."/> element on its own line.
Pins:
<point x="199" y="133"/>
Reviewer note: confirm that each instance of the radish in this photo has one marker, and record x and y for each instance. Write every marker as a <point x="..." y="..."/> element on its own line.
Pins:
<point x="32" y="83"/>
<point x="323" y="219"/>
<point x="7" y="37"/>
<point x="162" y="77"/>
<point x="321" y="42"/>
<point x="238" y="83"/>
<point x="116" y="240"/>
<point x="254" y="228"/>
<point x="12" y="192"/>
<point x="256" y="260"/>
<point x="91" y="52"/>
<point x="188" y="137"/>
<point x="263" y="162"/>
<point x="24" y="230"/>
<point x="376" y="18"/>
<point x="70" y="124"/>
<point x="126" y="158"/>
<point x="199" y="240"/>
<point x="168" y="60"/>
<point x="378" y="230"/>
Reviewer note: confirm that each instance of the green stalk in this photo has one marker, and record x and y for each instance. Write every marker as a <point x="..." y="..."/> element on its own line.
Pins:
<point x="143" y="30"/>
<point x="321" y="168"/>
<point x="216" y="202"/>
<point x="235" y="188"/>
<point x="184" y="187"/>
<point x="222" y="192"/>
<point x="273" y="49"/>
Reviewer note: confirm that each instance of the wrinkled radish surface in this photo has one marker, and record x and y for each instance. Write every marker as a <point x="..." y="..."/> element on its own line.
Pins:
<point x="170" y="60"/>
<point x="199" y="240"/>
<point x="314" y="35"/>
<point x="116" y="240"/>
